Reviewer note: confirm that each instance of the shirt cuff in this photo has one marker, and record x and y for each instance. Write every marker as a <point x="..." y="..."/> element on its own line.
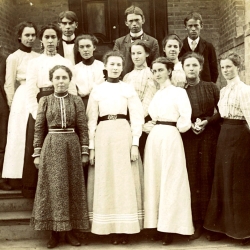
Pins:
<point x="91" y="144"/>
<point x="34" y="113"/>
<point x="135" y="141"/>
<point x="37" y="152"/>
<point x="85" y="150"/>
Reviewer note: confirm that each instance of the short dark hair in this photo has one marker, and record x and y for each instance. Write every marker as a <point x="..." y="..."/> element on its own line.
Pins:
<point x="69" y="15"/>
<point x="163" y="60"/>
<point x="234" y="57"/>
<point x="51" y="72"/>
<point x="192" y="54"/>
<point x="20" y="27"/>
<point x="171" y="37"/>
<point x="133" y="10"/>
<point x="193" y="15"/>
<point x="113" y="53"/>
<point x="142" y="43"/>
<point x="50" y="26"/>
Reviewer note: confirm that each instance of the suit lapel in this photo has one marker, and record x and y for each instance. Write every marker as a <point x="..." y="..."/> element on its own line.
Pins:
<point x="60" y="48"/>
<point x="186" y="45"/>
<point x="201" y="46"/>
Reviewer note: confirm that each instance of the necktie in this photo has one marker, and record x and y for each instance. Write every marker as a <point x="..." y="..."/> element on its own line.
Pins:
<point x="133" y="38"/>
<point x="193" y="45"/>
<point x="69" y="42"/>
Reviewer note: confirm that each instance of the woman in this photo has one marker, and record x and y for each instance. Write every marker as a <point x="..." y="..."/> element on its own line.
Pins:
<point x="16" y="68"/>
<point x="229" y="206"/>
<point x="38" y="85"/>
<point x="200" y="141"/>
<point x="88" y="72"/>
<point x="167" y="195"/>
<point x="142" y="79"/>
<point x="172" y="46"/>
<point x="114" y="185"/>
<point x="60" y="203"/>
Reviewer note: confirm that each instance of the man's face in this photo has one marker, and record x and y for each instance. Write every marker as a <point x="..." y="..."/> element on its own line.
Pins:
<point x="134" y="22"/>
<point x="193" y="28"/>
<point x="68" y="27"/>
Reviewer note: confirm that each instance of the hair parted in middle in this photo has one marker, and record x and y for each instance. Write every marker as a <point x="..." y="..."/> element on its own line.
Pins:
<point x="192" y="54"/>
<point x="163" y="60"/>
<point x="51" y="72"/>
<point x="193" y="15"/>
<point x="142" y="43"/>
<point x="20" y="27"/>
<point x="171" y="37"/>
<point x="113" y="53"/>
<point x="133" y="10"/>
<point x="50" y="26"/>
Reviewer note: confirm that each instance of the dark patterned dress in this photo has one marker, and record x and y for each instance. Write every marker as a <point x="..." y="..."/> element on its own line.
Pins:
<point x="60" y="201"/>
<point x="200" y="149"/>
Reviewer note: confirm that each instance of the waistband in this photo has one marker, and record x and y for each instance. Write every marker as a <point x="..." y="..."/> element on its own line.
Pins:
<point x="61" y="130"/>
<point x="234" y="122"/>
<point x="112" y="117"/>
<point x="46" y="89"/>
<point x="166" y="123"/>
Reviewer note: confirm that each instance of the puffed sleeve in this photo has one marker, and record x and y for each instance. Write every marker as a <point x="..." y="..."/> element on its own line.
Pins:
<point x="185" y="111"/>
<point x="245" y="102"/>
<point x="40" y="126"/>
<point x="136" y="116"/>
<point x="92" y="116"/>
<point x="10" y="77"/>
<point x="81" y="124"/>
<point x="178" y="78"/>
<point x="32" y="89"/>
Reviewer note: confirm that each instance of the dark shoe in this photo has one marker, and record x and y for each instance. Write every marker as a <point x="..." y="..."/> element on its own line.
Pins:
<point x="167" y="239"/>
<point x="71" y="239"/>
<point x="197" y="233"/>
<point x="53" y="241"/>
<point x="115" y="239"/>
<point x="124" y="239"/>
<point x="157" y="236"/>
<point x="5" y="186"/>
<point x="245" y="242"/>
<point x="213" y="236"/>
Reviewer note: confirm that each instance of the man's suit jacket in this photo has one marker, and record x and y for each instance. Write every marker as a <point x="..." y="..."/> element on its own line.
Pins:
<point x="210" y="68"/>
<point x="123" y="45"/>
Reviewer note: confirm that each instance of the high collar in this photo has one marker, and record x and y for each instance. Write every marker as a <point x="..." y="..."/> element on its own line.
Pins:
<point x="53" y="53"/>
<point x="88" y="61"/>
<point x="68" y="39"/>
<point x="113" y="80"/>
<point x="140" y="33"/>
<point x="59" y="95"/>
<point x="143" y="66"/>
<point x="233" y="81"/>
<point x="166" y="84"/>
<point x="24" y="48"/>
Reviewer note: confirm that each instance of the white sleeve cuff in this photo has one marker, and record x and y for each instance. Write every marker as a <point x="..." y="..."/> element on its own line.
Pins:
<point x="135" y="141"/>
<point x="91" y="144"/>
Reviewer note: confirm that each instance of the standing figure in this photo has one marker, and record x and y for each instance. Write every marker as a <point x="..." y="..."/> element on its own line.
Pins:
<point x="167" y="194"/>
<point x="38" y="85"/>
<point x="172" y="45"/>
<point x="89" y="72"/>
<point x="142" y="79"/>
<point x="134" y="19"/>
<point x="193" y="42"/>
<point x="229" y="206"/>
<point x="114" y="184"/>
<point x="68" y="22"/>
<point x="200" y="141"/>
<point x="16" y="69"/>
<point x="4" y="115"/>
<point x="60" y="149"/>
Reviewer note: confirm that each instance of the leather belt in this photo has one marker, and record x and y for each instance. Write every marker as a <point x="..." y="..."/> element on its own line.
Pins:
<point x="112" y="117"/>
<point x="166" y="123"/>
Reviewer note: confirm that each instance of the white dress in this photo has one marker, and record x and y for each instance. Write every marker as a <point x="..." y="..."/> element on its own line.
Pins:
<point x="87" y="76"/>
<point x="114" y="183"/>
<point x="16" y="68"/>
<point x="167" y="193"/>
<point x="178" y="75"/>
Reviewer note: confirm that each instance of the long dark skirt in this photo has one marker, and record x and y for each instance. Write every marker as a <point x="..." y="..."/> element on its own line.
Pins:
<point x="30" y="172"/>
<point x="229" y="207"/>
<point x="200" y="158"/>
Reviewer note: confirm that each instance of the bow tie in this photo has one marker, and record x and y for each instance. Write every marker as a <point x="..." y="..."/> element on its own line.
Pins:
<point x="136" y="37"/>
<point x="69" y="42"/>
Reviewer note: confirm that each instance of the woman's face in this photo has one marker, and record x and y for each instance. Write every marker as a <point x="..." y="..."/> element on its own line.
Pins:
<point x="172" y="49"/>
<point x="60" y="80"/>
<point x="192" y="68"/>
<point x="114" y="66"/>
<point x="86" y="48"/>
<point x="50" y="40"/>
<point x="138" y="55"/>
<point x="28" y="36"/>
<point x="160" y="72"/>
<point x="228" y="69"/>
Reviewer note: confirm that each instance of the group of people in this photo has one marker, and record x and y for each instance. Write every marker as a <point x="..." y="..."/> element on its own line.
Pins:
<point x="134" y="142"/>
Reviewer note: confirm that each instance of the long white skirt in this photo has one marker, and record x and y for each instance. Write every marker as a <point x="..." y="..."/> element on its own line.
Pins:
<point x="167" y="201"/>
<point x="114" y="183"/>
<point x="15" y="147"/>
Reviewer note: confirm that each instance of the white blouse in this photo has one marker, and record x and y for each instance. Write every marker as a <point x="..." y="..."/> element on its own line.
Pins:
<point x="234" y="100"/>
<point x="142" y="80"/>
<point x="112" y="99"/>
<point x="171" y="104"/>
<point x="88" y="76"/>
<point x="38" y="77"/>
<point x="178" y="75"/>
<point x="16" y="68"/>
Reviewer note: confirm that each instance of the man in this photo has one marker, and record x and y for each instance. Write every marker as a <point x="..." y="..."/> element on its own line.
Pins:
<point x="68" y="22"/>
<point x="134" y="19"/>
<point x="193" y="42"/>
